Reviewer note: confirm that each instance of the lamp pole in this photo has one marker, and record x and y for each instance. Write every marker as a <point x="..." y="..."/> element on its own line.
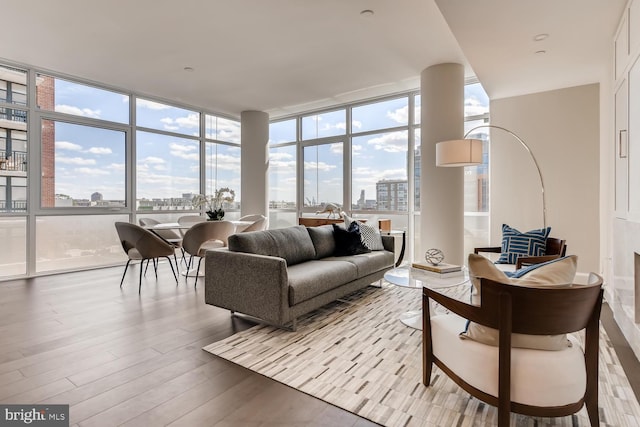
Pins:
<point x="526" y="147"/>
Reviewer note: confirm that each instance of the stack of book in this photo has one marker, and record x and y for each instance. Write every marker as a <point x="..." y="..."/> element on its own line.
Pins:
<point x="441" y="268"/>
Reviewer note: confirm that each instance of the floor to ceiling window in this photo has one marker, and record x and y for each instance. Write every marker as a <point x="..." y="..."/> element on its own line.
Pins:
<point x="360" y="157"/>
<point x="76" y="157"/>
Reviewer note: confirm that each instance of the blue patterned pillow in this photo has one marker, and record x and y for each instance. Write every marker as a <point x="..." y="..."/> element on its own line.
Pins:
<point x="516" y="244"/>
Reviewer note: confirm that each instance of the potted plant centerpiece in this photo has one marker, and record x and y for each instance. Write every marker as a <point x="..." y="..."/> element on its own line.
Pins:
<point x="214" y="204"/>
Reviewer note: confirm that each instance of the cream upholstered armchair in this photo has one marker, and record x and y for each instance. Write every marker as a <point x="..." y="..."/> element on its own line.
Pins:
<point x="204" y="236"/>
<point x="528" y="381"/>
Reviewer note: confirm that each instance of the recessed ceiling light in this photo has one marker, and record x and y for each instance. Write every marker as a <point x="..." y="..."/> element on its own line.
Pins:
<point x="540" y="52"/>
<point x="540" y="37"/>
<point x="367" y="13"/>
<point x="188" y="69"/>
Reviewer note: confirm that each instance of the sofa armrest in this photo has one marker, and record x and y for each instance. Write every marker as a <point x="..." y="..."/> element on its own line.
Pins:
<point x="252" y="284"/>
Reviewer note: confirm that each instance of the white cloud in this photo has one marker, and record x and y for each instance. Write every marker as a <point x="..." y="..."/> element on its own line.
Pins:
<point x="191" y="121"/>
<point x="279" y="156"/>
<point x="100" y="150"/>
<point x="117" y="166"/>
<point x="321" y="166"/>
<point x="394" y="142"/>
<point x="401" y="115"/>
<point x="336" y="148"/>
<point x="75" y="160"/>
<point x="356" y="124"/>
<point x="85" y="112"/>
<point x="181" y="147"/>
<point x="91" y="171"/>
<point x="66" y="145"/>
<point x="184" y="151"/>
<point x="143" y="103"/>
<point x="473" y="107"/>
<point x="153" y="160"/>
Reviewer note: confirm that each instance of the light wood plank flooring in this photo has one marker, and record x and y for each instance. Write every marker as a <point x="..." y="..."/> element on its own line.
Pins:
<point x="119" y="358"/>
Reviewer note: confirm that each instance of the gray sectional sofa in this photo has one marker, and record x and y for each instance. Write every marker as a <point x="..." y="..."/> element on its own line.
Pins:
<point x="278" y="275"/>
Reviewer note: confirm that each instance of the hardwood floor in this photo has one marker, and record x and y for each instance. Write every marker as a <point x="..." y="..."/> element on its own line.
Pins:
<point x="119" y="358"/>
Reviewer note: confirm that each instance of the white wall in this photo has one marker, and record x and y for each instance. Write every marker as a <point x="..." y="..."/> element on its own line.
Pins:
<point x="562" y="128"/>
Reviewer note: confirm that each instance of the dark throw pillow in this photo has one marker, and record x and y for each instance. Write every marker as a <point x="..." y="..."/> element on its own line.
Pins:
<point x="348" y="242"/>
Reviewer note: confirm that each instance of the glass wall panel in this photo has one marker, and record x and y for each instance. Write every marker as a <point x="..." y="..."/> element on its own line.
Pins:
<point x="77" y="242"/>
<point x="223" y="171"/>
<point x="417" y="158"/>
<point x="154" y="115"/>
<point x="282" y="219"/>
<point x="283" y="131"/>
<point x="82" y="166"/>
<point x="379" y="172"/>
<point x="476" y="100"/>
<point x="13" y="85"/>
<point x="380" y="115"/>
<point x="222" y="129"/>
<point x="282" y="177"/>
<point x="63" y="96"/>
<point x="331" y="123"/>
<point x="323" y="175"/>
<point x="13" y="234"/>
<point x="168" y="171"/>
<point x="417" y="102"/>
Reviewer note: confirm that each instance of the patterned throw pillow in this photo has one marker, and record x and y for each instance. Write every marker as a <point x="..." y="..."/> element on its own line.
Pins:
<point x="516" y="244"/>
<point x="370" y="236"/>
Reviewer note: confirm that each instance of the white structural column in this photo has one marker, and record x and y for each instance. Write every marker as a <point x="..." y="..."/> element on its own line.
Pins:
<point x="441" y="188"/>
<point x="255" y="162"/>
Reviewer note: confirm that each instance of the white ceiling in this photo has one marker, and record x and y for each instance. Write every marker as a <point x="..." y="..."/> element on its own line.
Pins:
<point x="497" y="39"/>
<point x="286" y="56"/>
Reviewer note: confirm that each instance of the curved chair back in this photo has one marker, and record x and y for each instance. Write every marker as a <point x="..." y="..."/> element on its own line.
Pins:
<point x="556" y="246"/>
<point x="202" y="232"/>
<point x="252" y="217"/>
<point x="258" y="225"/>
<point x="191" y="219"/>
<point x="146" y="245"/>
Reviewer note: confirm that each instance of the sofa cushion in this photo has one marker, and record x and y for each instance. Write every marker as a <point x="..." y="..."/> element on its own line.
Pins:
<point x="323" y="241"/>
<point x="348" y="242"/>
<point x="316" y="277"/>
<point x="516" y="244"/>
<point x="557" y="273"/>
<point x="293" y="244"/>
<point x="368" y="263"/>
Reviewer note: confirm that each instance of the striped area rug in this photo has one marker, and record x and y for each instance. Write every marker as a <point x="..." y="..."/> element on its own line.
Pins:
<point x="356" y="355"/>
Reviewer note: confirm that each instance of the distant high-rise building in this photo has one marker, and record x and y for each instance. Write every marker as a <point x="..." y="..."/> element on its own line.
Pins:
<point x="391" y="195"/>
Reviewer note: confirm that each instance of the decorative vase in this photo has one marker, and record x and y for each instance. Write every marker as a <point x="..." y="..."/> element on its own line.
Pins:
<point x="215" y="215"/>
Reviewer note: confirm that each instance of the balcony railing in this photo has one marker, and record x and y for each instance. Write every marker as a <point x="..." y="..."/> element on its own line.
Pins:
<point x="15" y="206"/>
<point x="13" y="115"/>
<point x="14" y="161"/>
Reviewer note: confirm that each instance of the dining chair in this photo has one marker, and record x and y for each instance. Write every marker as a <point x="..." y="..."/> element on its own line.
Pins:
<point x="259" y="222"/>
<point x="140" y="244"/>
<point x="189" y="220"/>
<point x="171" y="236"/>
<point x="204" y="236"/>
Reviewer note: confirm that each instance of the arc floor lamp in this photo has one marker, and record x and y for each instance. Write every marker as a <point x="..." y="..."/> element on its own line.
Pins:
<point x="468" y="152"/>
